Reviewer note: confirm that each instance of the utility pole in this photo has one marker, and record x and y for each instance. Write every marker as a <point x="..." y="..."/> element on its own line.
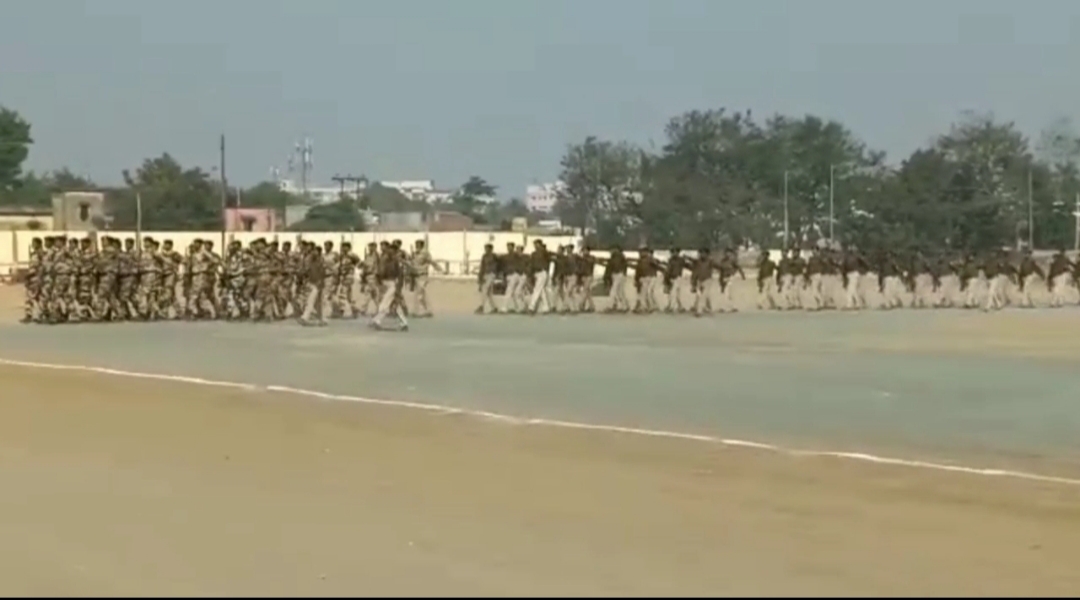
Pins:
<point x="358" y="181"/>
<point x="340" y="180"/>
<point x="786" y="230"/>
<point x="1076" y="218"/>
<point x="1031" y="211"/>
<point x="224" y="193"/>
<point x="832" y="197"/>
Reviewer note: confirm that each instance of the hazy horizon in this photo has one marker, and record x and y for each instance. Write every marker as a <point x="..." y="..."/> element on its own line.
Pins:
<point x="445" y="90"/>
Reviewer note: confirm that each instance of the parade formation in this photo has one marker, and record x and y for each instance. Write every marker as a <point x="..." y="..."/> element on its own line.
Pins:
<point x="72" y="281"/>
<point x="542" y="282"/>
<point x="75" y="280"/>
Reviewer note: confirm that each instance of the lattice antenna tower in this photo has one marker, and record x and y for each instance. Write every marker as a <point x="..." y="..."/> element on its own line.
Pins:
<point x="302" y="161"/>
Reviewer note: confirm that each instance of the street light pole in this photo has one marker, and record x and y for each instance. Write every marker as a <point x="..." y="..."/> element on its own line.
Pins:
<point x="832" y="197"/>
<point x="786" y="230"/>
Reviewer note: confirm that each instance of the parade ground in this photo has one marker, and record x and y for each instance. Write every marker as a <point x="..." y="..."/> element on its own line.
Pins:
<point x="928" y="452"/>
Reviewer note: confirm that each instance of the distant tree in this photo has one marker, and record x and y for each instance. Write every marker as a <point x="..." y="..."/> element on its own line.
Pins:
<point x="342" y="215"/>
<point x="63" y="180"/>
<point x="15" y="142"/>
<point x="173" y="198"/>
<point x="29" y="190"/>
<point x="379" y="198"/>
<point x="267" y="195"/>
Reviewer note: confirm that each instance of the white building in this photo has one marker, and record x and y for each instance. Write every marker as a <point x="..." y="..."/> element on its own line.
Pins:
<point x="542" y="197"/>
<point x="423" y="190"/>
<point x="319" y="193"/>
<point x="420" y="189"/>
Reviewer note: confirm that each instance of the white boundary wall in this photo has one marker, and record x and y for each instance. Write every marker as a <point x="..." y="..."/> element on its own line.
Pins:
<point x="457" y="251"/>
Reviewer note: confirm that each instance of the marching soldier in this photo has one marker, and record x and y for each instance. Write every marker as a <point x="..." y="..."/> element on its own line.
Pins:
<point x="1026" y="274"/>
<point x="615" y="267"/>
<point x="586" y="271"/>
<point x="767" y="277"/>
<point x="645" y="272"/>
<point x="1059" y="278"/>
<point x="485" y="280"/>
<point x="674" y="284"/>
<point x="727" y="268"/>
<point x="702" y="281"/>
<point x="393" y="269"/>
<point x="514" y="266"/>
<point x="539" y="264"/>
<point x="421" y="265"/>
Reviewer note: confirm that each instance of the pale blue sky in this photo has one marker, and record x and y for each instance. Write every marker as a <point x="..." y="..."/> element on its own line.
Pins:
<point x="445" y="89"/>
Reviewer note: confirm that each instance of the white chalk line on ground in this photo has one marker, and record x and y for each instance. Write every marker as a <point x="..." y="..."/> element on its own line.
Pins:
<point x="492" y="416"/>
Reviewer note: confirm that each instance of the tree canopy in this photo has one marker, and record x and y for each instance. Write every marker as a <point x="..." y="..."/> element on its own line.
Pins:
<point x="721" y="177"/>
<point x="718" y="177"/>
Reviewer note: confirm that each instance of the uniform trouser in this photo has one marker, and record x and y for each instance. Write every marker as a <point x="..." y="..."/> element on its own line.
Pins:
<point x="923" y="294"/>
<point x="541" y="294"/>
<point x="812" y="292"/>
<point x="892" y="292"/>
<point x="647" y="300"/>
<point x="313" y="302"/>
<point x="1027" y="300"/>
<point x="170" y="306"/>
<point x="391" y="305"/>
<point x="675" y="298"/>
<point x="584" y="294"/>
<point x="725" y="301"/>
<point x="370" y="294"/>
<point x="949" y="293"/>
<point x="487" y="299"/>
<point x="263" y="305"/>
<point x="344" y="299"/>
<point x="831" y="286"/>
<point x="513" y="300"/>
<point x="32" y="301"/>
<point x="564" y="294"/>
<point x="853" y="295"/>
<point x="792" y="286"/>
<point x="619" y="301"/>
<point x="201" y="291"/>
<point x="1061" y="289"/>
<point x="973" y="294"/>
<point x="703" y="296"/>
<point x="995" y="293"/>
<point x="421" y="306"/>
<point x="767" y="294"/>
<point x="61" y="300"/>
<point x="146" y="299"/>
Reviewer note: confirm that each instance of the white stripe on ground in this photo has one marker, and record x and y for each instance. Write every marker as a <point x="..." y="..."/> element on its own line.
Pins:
<point x="450" y="410"/>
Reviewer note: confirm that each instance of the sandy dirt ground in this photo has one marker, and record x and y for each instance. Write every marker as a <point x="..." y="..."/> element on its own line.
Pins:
<point x="130" y="487"/>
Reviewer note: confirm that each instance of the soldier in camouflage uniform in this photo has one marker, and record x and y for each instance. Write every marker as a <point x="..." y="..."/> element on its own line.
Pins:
<point x="237" y="281"/>
<point x="394" y="268"/>
<point x="148" y="281"/>
<point x="85" y="280"/>
<point x="369" y="280"/>
<point x="278" y="280"/>
<point x="202" y="282"/>
<point x="34" y="275"/>
<point x="171" y="260"/>
<point x="291" y="291"/>
<point x="129" y="275"/>
<point x="263" y="305"/>
<point x="61" y="295"/>
<point x="345" y="299"/>
<point x="314" y="278"/>
<point x="105" y="306"/>
<point x="420" y="264"/>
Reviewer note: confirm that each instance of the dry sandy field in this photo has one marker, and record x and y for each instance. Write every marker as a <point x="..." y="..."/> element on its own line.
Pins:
<point x="123" y="486"/>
